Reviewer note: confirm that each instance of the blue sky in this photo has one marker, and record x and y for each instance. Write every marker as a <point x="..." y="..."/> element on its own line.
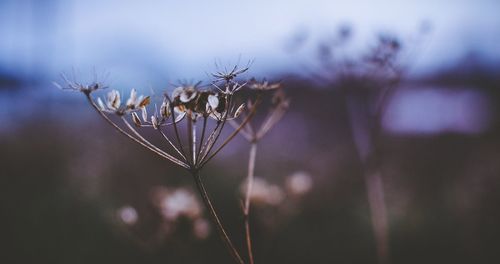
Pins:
<point x="182" y="39"/>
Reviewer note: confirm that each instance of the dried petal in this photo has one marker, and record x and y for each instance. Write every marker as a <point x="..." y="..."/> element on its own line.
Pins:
<point x="180" y="109"/>
<point x="144" y="102"/>
<point x="100" y="104"/>
<point x="187" y="95"/>
<point x="132" y="99"/>
<point x="239" y="110"/>
<point x="213" y="101"/>
<point x="180" y="117"/>
<point x="136" y="119"/>
<point x="144" y="113"/>
<point x="177" y="92"/>
<point x="154" y="121"/>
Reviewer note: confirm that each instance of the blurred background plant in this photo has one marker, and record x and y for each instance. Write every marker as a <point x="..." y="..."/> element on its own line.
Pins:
<point x="366" y="84"/>
<point x="438" y="145"/>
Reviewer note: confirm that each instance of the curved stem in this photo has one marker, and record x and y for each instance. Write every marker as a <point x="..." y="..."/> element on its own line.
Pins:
<point x="246" y="209"/>
<point x="171" y="143"/>
<point x="204" y="150"/>
<point x="182" y="164"/>
<point x="138" y="135"/>
<point x="215" y="218"/>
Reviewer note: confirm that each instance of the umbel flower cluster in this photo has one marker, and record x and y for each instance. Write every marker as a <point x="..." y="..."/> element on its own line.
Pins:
<point x="190" y="119"/>
<point x="187" y="105"/>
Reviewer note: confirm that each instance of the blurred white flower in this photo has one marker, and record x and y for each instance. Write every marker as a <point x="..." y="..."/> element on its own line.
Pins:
<point x="180" y="202"/>
<point x="299" y="183"/>
<point x="128" y="215"/>
<point x="264" y="193"/>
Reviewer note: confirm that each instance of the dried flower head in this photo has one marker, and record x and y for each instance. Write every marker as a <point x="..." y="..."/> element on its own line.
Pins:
<point x="187" y="103"/>
<point x="73" y="85"/>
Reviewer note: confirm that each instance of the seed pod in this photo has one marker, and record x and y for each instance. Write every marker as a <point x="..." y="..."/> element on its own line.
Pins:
<point x="154" y="121"/>
<point x="132" y="99"/>
<point x="165" y="109"/>
<point x="113" y="100"/>
<point x="100" y="104"/>
<point x="144" y="102"/>
<point x="239" y="110"/>
<point x="144" y="113"/>
<point x="213" y="101"/>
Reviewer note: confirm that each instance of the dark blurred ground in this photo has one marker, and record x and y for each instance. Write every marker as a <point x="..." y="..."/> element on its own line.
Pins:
<point x="64" y="173"/>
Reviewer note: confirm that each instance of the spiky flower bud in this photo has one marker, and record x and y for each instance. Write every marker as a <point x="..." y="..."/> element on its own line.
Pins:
<point x="144" y="102"/>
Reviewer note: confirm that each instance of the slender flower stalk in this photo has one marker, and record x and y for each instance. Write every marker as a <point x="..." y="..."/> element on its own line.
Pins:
<point x="215" y="218"/>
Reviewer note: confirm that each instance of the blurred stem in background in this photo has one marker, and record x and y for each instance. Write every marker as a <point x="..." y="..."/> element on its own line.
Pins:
<point x="278" y="107"/>
<point x="246" y="209"/>
<point x="367" y="83"/>
<point x="366" y="137"/>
